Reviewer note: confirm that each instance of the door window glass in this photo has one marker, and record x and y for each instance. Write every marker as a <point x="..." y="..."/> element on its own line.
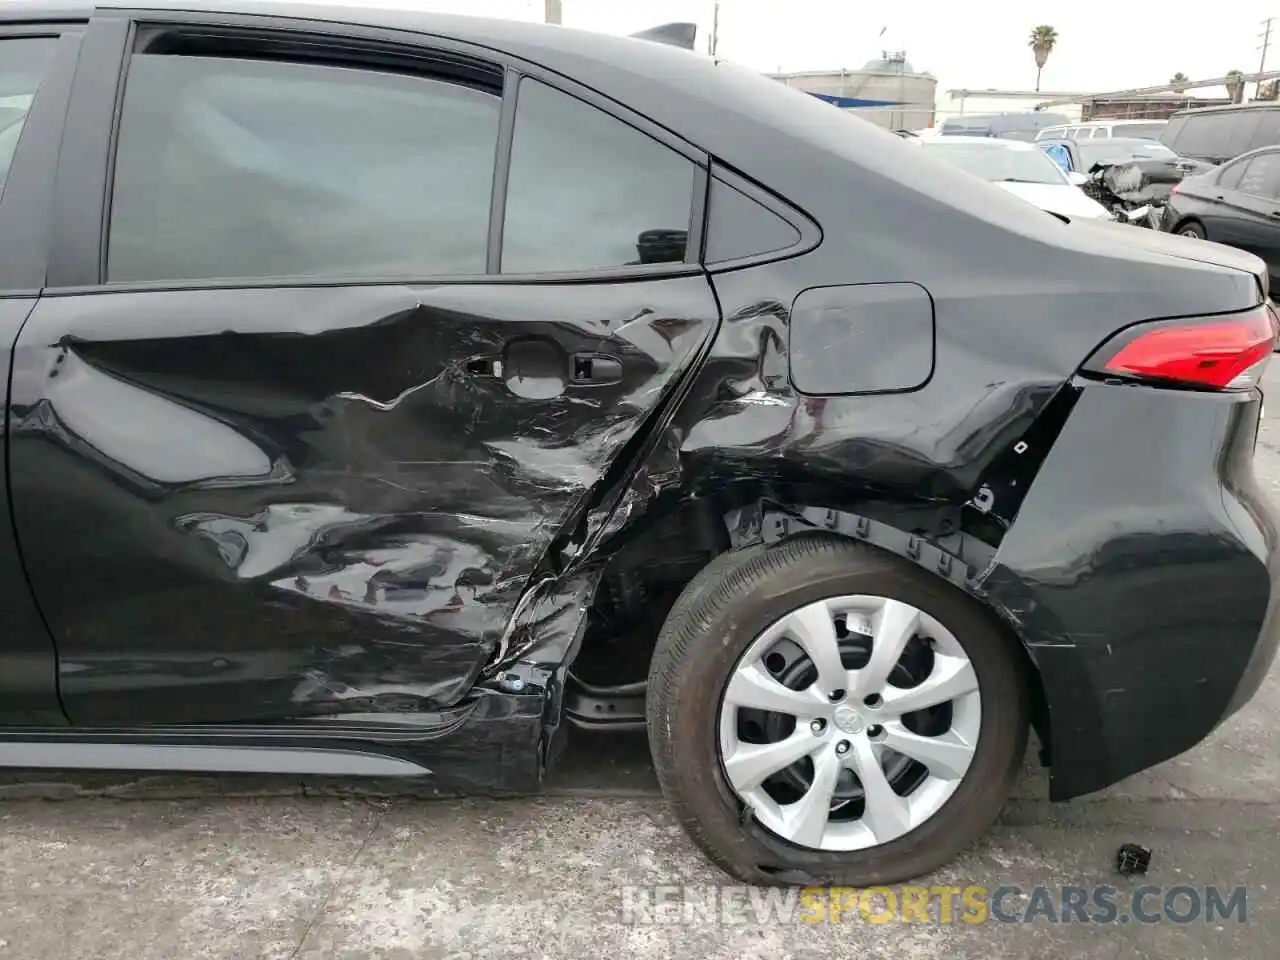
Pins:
<point x="23" y="62"/>
<point x="1230" y="177"/>
<point x="587" y="191"/>
<point x="232" y="168"/>
<point x="1208" y="136"/>
<point x="1262" y="178"/>
<point x="1242" y="133"/>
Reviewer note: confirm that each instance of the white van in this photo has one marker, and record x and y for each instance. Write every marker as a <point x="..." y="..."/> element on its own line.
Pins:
<point x="1095" y="129"/>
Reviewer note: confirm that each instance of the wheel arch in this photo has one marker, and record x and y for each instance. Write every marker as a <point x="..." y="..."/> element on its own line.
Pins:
<point x="683" y="538"/>
<point x="1188" y="220"/>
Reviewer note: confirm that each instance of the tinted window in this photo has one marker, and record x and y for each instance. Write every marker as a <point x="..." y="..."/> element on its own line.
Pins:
<point x="1208" y="135"/>
<point x="740" y="227"/>
<point x="1149" y="131"/>
<point x="1262" y="178"/>
<point x="1229" y="179"/>
<point x="1169" y="135"/>
<point x="23" y="63"/>
<point x="1242" y="133"/>
<point x="588" y="191"/>
<point x="236" y="168"/>
<point x="1267" y="132"/>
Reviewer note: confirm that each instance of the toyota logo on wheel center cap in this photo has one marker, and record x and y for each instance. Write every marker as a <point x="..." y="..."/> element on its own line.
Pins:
<point x="847" y="720"/>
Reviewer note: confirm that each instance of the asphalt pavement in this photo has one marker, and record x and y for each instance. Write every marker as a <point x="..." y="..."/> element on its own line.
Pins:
<point x="113" y="865"/>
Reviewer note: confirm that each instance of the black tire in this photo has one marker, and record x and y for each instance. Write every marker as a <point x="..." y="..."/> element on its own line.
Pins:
<point x="718" y="615"/>
<point x="1191" y="229"/>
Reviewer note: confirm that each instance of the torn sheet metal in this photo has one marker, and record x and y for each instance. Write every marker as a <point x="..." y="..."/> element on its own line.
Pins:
<point x="277" y="502"/>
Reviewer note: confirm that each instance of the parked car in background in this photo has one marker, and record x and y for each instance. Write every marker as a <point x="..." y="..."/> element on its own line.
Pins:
<point x="1011" y="126"/>
<point x="1237" y="204"/>
<point x="1020" y="169"/>
<point x="1216" y="134"/>
<point x="1104" y="129"/>
<point x="1080" y="156"/>
<point x="388" y="392"/>
<point x="1131" y="178"/>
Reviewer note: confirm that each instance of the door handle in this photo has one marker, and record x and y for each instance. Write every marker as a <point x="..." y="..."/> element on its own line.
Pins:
<point x="1274" y="214"/>
<point x="594" y="369"/>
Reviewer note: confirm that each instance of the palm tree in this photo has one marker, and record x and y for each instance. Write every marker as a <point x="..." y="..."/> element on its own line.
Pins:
<point x="1177" y="80"/>
<point x="1043" y="39"/>
<point x="1234" y="85"/>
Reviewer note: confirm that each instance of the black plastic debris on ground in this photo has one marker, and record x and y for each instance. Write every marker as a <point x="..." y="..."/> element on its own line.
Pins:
<point x="1132" y="858"/>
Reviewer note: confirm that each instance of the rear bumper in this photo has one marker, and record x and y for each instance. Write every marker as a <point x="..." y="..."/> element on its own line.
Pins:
<point x="1140" y="575"/>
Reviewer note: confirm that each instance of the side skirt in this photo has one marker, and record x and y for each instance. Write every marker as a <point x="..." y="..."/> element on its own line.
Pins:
<point x="492" y="744"/>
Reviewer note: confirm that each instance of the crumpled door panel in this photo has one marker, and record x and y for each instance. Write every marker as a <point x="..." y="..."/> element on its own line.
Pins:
<point x="259" y="503"/>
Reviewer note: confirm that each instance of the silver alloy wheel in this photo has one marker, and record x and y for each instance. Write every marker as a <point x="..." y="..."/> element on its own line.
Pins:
<point x="851" y="723"/>
<point x="1189" y="232"/>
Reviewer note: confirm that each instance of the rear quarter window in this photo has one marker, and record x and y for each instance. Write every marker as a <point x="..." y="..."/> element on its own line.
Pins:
<point x="739" y="227"/>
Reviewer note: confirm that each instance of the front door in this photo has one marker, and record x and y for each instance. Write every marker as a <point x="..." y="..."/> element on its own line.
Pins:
<point x="302" y="443"/>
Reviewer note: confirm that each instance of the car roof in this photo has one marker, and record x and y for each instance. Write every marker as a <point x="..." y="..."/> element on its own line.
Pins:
<point x="1119" y="121"/>
<point x="1227" y="108"/>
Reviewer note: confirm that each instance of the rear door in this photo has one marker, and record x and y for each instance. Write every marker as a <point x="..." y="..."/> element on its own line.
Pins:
<point x="1251" y="209"/>
<point x="37" y="63"/>
<point x="362" y="329"/>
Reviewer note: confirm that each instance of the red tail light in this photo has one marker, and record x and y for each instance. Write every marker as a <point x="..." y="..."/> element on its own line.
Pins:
<point x="1215" y="353"/>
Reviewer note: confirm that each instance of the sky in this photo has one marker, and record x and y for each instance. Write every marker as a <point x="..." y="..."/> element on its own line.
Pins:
<point x="1101" y="46"/>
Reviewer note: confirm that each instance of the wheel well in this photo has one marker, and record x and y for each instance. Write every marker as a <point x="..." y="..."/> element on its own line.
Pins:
<point x="639" y="586"/>
<point x="1185" y="221"/>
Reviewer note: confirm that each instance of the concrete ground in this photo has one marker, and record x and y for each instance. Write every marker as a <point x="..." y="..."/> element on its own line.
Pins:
<point x="113" y="866"/>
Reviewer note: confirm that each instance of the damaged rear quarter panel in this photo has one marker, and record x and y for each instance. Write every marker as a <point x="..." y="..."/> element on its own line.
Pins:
<point x="276" y="502"/>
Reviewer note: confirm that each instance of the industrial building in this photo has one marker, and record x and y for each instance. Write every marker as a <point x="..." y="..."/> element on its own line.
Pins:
<point x="887" y="91"/>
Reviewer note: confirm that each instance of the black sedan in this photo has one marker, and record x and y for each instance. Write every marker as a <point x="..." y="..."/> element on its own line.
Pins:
<point x="389" y="392"/>
<point x="1237" y="204"/>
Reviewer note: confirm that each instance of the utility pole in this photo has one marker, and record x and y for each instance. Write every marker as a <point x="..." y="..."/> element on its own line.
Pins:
<point x="714" y="40"/>
<point x="552" y="11"/>
<point x="1262" y="64"/>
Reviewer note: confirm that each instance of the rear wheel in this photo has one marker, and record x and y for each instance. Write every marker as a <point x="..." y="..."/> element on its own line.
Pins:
<point x="821" y="712"/>
<point x="1192" y="230"/>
